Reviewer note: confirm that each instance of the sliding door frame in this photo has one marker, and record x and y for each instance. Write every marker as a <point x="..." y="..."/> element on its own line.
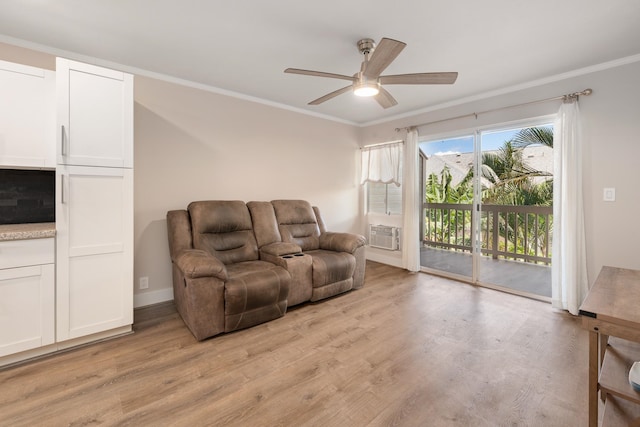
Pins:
<point x="476" y="132"/>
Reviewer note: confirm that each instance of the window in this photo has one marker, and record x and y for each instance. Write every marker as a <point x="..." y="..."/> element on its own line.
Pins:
<point x="382" y="172"/>
<point x="384" y="198"/>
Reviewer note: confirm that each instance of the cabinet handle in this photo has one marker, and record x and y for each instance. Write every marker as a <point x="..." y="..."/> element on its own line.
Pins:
<point x="62" y="144"/>
<point x="63" y="199"/>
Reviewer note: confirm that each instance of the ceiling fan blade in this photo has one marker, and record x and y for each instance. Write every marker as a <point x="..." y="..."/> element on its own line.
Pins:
<point x="331" y="95"/>
<point x="385" y="99"/>
<point x="419" y="79"/>
<point x="318" y="74"/>
<point x="383" y="55"/>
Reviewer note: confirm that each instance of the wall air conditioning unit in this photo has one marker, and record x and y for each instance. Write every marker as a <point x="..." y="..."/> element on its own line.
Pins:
<point x="384" y="237"/>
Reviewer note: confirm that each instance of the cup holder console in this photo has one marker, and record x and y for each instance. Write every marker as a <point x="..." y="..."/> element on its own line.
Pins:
<point x="292" y="255"/>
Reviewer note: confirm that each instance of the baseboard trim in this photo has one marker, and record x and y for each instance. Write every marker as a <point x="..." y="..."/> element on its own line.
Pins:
<point x="26" y="356"/>
<point x="153" y="297"/>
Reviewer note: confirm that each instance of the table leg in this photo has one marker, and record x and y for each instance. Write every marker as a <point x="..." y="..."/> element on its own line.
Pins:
<point x="593" y="378"/>
<point x="604" y="342"/>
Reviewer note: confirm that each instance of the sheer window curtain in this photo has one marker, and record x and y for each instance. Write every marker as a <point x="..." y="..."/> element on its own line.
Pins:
<point x="382" y="164"/>
<point x="569" y="284"/>
<point x="411" y="208"/>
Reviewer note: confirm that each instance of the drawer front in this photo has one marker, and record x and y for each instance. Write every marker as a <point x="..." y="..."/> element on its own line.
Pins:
<point x="22" y="253"/>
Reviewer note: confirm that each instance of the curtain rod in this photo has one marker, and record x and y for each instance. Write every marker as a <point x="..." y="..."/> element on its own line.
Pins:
<point x="567" y="97"/>
<point x="397" y="141"/>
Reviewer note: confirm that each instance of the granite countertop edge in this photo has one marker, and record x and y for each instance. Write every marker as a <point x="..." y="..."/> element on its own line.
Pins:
<point x="41" y="230"/>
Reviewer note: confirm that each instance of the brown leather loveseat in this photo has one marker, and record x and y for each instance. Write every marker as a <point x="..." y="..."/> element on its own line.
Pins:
<point x="236" y="265"/>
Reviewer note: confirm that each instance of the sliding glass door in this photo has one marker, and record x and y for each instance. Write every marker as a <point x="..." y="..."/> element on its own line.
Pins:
<point x="488" y="210"/>
<point x="448" y="228"/>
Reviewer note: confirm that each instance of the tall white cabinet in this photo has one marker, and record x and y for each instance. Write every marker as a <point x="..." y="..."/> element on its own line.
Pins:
<point x="76" y="288"/>
<point x="94" y="200"/>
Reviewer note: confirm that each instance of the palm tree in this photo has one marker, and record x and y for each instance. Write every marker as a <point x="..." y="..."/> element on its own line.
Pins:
<point x="536" y="135"/>
<point x="509" y="176"/>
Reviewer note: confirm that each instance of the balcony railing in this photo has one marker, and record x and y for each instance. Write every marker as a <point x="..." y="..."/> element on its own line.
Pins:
<point x="507" y="232"/>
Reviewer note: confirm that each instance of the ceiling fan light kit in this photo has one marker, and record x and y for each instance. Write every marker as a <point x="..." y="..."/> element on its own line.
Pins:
<point x="365" y="87"/>
<point x="368" y="82"/>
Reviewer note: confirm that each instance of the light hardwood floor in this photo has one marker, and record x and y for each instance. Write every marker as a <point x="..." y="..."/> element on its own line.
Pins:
<point x="405" y="350"/>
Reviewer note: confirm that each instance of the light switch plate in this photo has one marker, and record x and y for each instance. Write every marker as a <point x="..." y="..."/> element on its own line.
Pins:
<point x="609" y="195"/>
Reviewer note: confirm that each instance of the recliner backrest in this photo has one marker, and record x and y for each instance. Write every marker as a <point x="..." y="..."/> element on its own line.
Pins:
<point x="224" y="229"/>
<point x="297" y="223"/>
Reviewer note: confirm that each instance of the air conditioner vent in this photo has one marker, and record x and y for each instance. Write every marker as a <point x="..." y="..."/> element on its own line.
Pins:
<point x="384" y="237"/>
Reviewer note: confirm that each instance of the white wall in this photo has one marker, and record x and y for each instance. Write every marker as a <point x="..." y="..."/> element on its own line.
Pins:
<point x="611" y="119"/>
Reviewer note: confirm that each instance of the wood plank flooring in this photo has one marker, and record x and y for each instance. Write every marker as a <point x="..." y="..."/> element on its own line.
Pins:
<point x="405" y="350"/>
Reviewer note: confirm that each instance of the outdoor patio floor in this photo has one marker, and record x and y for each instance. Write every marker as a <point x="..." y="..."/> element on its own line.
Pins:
<point x="518" y="276"/>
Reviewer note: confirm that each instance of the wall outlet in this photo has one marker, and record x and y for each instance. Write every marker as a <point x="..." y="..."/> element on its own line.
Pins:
<point x="609" y="195"/>
<point x="144" y="283"/>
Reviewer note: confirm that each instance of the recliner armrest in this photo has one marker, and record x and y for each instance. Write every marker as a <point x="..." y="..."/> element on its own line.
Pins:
<point x="281" y="248"/>
<point x="195" y="263"/>
<point x="341" y="242"/>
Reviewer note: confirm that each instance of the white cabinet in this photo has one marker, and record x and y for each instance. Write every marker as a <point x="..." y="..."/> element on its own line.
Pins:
<point x="27" y="116"/>
<point x="94" y="234"/>
<point x="95" y="115"/>
<point x="27" y="295"/>
<point x="94" y="200"/>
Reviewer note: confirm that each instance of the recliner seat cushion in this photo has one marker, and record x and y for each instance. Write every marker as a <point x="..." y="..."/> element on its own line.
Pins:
<point x="255" y="288"/>
<point x="256" y="292"/>
<point x="248" y="267"/>
<point x="330" y="267"/>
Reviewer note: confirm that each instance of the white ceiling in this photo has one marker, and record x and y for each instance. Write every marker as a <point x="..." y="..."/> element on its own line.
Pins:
<point x="243" y="46"/>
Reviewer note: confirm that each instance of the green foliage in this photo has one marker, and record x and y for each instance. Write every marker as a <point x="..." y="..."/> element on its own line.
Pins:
<point x="536" y="135"/>
<point x="510" y="179"/>
<point x="449" y="225"/>
<point x="440" y="190"/>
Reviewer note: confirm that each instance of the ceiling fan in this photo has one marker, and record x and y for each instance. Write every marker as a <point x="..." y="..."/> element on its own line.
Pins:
<point x="368" y="81"/>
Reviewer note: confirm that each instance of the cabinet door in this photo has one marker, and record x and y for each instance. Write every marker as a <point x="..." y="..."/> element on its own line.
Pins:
<point x="94" y="224"/>
<point x="26" y="308"/>
<point x="27" y="116"/>
<point x="95" y="115"/>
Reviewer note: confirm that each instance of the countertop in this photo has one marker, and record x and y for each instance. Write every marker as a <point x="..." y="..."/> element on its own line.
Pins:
<point x="27" y="231"/>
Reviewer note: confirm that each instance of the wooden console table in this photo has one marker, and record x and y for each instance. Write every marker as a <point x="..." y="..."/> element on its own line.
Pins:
<point x="612" y="309"/>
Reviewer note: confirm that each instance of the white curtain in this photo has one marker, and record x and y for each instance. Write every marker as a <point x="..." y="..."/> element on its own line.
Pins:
<point x="569" y="283"/>
<point x="411" y="208"/>
<point x="382" y="164"/>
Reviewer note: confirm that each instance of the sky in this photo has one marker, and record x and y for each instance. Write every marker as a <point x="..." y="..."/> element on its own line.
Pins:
<point x="490" y="141"/>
